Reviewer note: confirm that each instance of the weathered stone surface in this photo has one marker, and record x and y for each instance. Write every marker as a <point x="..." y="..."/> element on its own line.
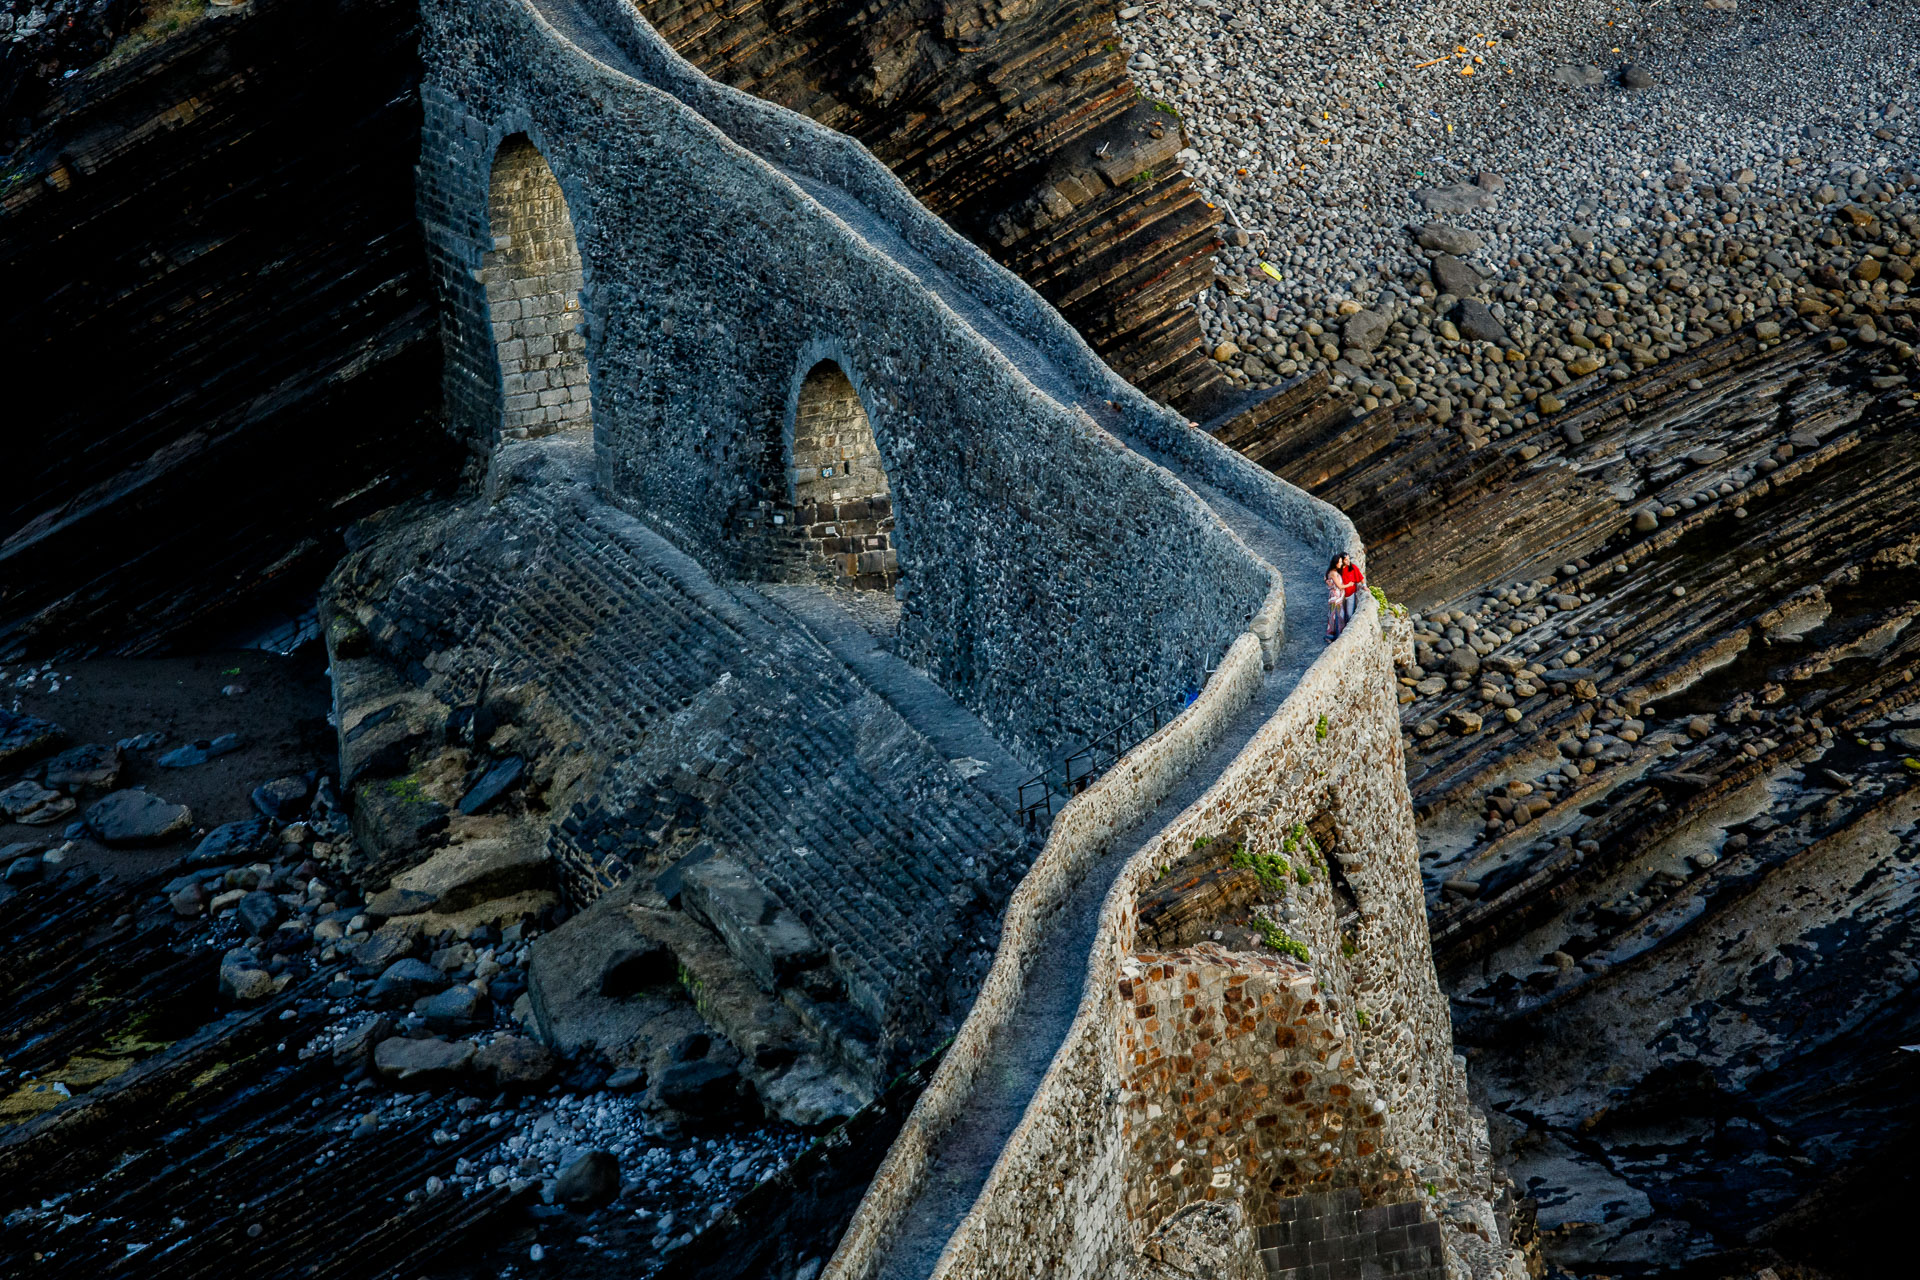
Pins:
<point x="259" y="913"/>
<point x="235" y="842"/>
<point x="492" y="785"/>
<point x="393" y="824"/>
<point x="458" y="1008"/>
<point x="762" y="934"/>
<point x="403" y="982"/>
<point x="423" y="1063"/>
<point x="478" y="868"/>
<point x="1441" y="238"/>
<point x="244" y="984"/>
<point x="590" y="1181"/>
<point x="1365" y="329"/>
<point x="33" y="804"/>
<point x="390" y="942"/>
<point x="283" y="799"/>
<point x="187" y="755"/>
<point x="25" y="738"/>
<point x="136" y="818"/>
<point x="92" y="765"/>
<point x="355" y="1048"/>
<point x="705" y="1088"/>
<point x="1108" y="156"/>
<point x="515" y="1062"/>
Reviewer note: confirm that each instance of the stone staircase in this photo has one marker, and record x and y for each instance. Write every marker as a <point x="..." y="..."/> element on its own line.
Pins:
<point x="722" y="724"/>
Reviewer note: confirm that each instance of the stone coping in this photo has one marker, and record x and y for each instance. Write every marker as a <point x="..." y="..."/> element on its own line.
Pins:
<point x="1319" y="692"/>
<point x="1083" y="830"/>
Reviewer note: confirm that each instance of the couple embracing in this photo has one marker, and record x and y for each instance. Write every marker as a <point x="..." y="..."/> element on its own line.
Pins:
<point x="1344" y="580"/>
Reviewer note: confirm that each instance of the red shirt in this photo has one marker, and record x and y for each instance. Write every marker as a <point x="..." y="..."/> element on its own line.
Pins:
<point x="1352" y="576"/>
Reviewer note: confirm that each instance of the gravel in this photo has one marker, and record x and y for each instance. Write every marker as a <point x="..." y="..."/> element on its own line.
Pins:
<point x="1312" y="131"/>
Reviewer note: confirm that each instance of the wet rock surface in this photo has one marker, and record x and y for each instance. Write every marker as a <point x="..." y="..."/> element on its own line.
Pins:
<point x="225" y="978"/>
<point x="1658" y="720"/>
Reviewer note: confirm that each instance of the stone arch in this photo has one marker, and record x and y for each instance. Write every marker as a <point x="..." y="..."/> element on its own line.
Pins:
<point x="533" y="278"/>
<point x="825" y="508"/>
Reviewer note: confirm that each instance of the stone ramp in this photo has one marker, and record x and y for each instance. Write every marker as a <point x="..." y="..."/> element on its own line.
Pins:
<point x="711" y="723"/>
<point x="955" y="731"/>
<point x="1057" y="978"/>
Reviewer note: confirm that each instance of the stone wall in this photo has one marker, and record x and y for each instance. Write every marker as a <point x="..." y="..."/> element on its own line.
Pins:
<point x="532" y="280"/>
<point x="1020" y="127"/>
<point x="697" y="329"/>
<point x="1102" y="1157"/>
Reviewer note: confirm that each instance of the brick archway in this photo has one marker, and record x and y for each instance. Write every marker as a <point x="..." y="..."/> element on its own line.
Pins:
<point x="838" y="485"/>
<point x="823" y="506"/>
<point x="532" y="277"/>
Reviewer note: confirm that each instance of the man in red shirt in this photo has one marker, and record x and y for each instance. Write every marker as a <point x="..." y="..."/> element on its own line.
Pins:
<point x="1355" y="578"/>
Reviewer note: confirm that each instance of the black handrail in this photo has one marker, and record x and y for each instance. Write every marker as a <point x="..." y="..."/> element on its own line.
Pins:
<point x="1078" y="770"/>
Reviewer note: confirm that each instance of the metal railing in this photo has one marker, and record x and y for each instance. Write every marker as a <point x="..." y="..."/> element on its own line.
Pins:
<point x="1078" y="770"/>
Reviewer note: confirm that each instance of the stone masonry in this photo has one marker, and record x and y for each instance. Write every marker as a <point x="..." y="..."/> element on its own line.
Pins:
<point x="532" y="279"/>
<point x="713" y="281"/>
<point x="791" y="371"/>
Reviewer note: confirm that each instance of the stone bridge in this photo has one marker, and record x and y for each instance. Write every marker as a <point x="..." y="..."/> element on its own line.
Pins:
<point x="806" y="532"/>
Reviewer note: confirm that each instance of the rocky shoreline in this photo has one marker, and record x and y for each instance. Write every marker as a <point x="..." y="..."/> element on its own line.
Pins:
<point x="1647" y="225"/>
<point x="237" y="973"/>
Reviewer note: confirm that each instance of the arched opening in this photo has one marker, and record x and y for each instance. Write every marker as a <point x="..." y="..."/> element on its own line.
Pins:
<point x="532" y="277"/>
<point x="835" y="523"/>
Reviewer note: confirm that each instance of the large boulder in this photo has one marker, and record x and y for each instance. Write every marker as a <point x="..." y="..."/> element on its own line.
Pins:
<point x="33" y="804"/>
<point x="423" y="1062"/>
<point x="458" y="1008"/>
<point x="575" y="1006"/>
<point x="1453" y="275"/>
<point x="235" y="842"/>
<point x="259" y="913"/>
<point x="25" y="738"/>
<point x="500" y="860"/>
<point x="590" y="1181"/>
<point x="516" y="1062"/>
<point x="404" y="982"/>
<point x="1365" y="330"/>
<point x="91" y="766"/>
<point x="1441" y="238"/>
<point x="126" y="818"/>
<point x="1477" y="322"/>
<point x="771" y="941"/>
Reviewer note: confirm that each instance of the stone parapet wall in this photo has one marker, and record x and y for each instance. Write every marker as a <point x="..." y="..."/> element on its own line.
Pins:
<point x="1080" y="832"/>
<point x="1074" y="1191"/>
<point x="699" y="330"/>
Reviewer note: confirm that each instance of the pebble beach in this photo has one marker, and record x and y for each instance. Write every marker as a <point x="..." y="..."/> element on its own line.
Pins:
<point x="1467" y="207"/>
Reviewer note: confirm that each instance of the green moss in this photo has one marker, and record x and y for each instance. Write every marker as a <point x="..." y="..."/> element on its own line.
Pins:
<point x="1166" y="108"/>
<point x="1363" y="1018"/>
<point x="1282" y="941"/>
<point x="406" y="790"/>
<point x="1270" y="869"/>
<point x="1143" y="177"/>
<point x="1322" y="728"/>
<point x="1386" y="605"/>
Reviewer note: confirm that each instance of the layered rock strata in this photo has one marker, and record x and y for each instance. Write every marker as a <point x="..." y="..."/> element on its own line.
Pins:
<point x="216" y="275"/>
<point x="1659" y="731"/>
<point x="1020" y="127"/>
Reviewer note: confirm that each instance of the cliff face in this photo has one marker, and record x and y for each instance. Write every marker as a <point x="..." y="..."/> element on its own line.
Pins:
<point x="217" y="283"/>
<point x="1018" y="125"/>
